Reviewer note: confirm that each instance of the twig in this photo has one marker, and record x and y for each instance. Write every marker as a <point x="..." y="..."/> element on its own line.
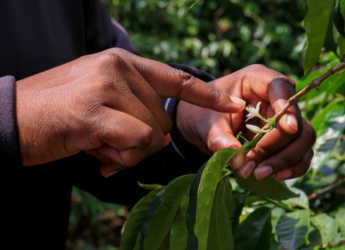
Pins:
<point x="315" y="84"/>
<point x="328" y="188"/>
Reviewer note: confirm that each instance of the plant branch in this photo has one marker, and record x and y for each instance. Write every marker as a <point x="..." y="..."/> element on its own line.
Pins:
<point x="328" y="188"/>
<point x="314" y="84"/>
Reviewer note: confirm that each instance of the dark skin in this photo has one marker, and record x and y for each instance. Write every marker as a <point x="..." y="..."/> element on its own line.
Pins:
<point x="108" y="105"/>
<point x="285" y="151"/>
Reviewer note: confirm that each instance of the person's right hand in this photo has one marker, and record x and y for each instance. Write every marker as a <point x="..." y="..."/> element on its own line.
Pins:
<point x="106" y="104"/>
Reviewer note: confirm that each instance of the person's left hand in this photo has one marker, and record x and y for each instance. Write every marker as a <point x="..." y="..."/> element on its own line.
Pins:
<point x="285" y="151"/>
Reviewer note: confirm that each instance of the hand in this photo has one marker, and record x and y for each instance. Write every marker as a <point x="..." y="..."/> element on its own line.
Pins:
<point x="285" y="151"/>
<point x="106" y="104"/>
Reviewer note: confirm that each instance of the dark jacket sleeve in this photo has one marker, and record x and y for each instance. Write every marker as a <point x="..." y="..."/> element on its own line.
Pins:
<point x="102" y="32"/>
<point x="9" y="144"/>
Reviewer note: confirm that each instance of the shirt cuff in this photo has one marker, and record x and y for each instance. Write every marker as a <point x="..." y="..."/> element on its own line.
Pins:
<point x="9" y="143"/>
<point x="182" y="147"/>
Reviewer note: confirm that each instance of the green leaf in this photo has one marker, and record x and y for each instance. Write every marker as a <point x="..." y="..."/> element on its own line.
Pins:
<point x="328" y="125"/>
<point x="201" y="196"/>
<point x="329" y="43"/>
<point x="341" y="44"/>
<point x="162" y="212"/>
<point x="192" y="243"/>
<point x="166" y="243"/>
<point x="208" y="184"/>
<point x="316" y="23"/>
<point x="135" y="220"/>
<point x="220" y="234"/>
<point x="338" y="19"/>
<point x="326" y="225"/>
<point x="301" y="201"/>
<point x="179" y="231"/>
<point x="240" y="199"/>
<point x="340" y="217"/>
<point x="314" y="236"/>
<point x="292" y="228"/>
<point x="254" y="232"/>
<point x="269" y="187"/>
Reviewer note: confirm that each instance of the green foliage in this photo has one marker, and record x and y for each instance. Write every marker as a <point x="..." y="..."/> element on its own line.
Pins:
<point x="162" y="212"/>
<point x="217" y="36"/>
<point x="209" y="216"/>
<point x="135" y="221"/>
<point x="215" y="209"/>
<point x="292" y="228"/>
<point x="316" y="24"/>
<point x="255" y="231"/>
<point x="266" y="188"/>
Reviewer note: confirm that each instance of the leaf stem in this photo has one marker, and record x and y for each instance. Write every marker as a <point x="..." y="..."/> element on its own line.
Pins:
<point x="279" y="204"/>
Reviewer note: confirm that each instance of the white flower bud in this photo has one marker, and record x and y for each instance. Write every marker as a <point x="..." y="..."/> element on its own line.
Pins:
<point x="256" y="129"/>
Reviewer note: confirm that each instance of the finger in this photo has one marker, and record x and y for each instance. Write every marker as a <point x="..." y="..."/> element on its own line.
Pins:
<point x="280" y="90"/>
<point x="132" y="138"/>
<point x="275" y="88"/>
<point x="288" y="156"/>
<point x="116" y="160"/>
<point x="128" y="103"/>
<point x="107" y="170"/>
<point x="298" y="169"/>
<point x="270" y="143"/>
<point x="142" y="91"/>
<point x="221" y="136"/>
<point x="120" y="130"/>
<point x="170" y="82"/>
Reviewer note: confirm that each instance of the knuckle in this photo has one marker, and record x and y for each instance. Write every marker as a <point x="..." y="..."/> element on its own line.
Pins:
<point x="258" y="66"/>
<point x="145" y="137"/>
<point x="284" y="162"/>
<point x="110" y="58"/>
<point x="187" y="80"/>
<point x="262" y="150"/>
<point x="216" y="143"/>
<point x="216" y="95"/>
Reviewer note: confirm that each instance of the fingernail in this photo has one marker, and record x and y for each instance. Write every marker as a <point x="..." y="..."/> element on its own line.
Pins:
<point x="292" y="122"/>
<point x="236" y="161"/>
<point x="284" y="174"/>
<point x="247" y="169"/>
<point x="110" y="174"/>
<point x="238" y="101"/>
<point x="262" y="172"/>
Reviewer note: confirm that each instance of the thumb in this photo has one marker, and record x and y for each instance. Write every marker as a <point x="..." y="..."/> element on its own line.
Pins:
<point x="221" y="136"/>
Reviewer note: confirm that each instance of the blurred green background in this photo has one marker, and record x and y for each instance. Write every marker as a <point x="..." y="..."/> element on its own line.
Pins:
<point x="219" y="36"/>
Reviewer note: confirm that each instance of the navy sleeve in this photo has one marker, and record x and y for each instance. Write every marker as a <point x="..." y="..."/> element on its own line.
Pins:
<point x="9" y="143"/>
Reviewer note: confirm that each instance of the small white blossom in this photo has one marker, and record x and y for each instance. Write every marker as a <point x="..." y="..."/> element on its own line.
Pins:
<point x="253" y="112"/>
<point x="256" y="129"/>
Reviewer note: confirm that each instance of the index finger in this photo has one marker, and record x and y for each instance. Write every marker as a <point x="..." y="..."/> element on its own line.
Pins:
<point x="171" y="82"/>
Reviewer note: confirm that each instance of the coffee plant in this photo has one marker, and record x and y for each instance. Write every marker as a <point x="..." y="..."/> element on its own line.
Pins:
<point x="214" y="209"/>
